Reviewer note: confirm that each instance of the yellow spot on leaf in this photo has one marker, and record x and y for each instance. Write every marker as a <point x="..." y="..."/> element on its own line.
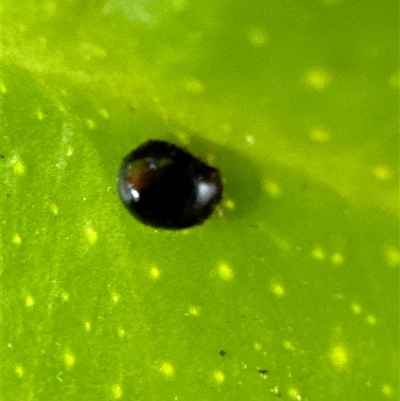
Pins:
<point x="257" y="37"/>
<point x="392" y="256"/>
<point x="371" y="319"/>
<point x="69" y="359"/>
<point x="29" y="301"/>
<point x="278" y="289"/>
<point x="194" y="86"/>
<point x="288" y="345"/>
<point x="90" y="123"/>
<point x="339" y="357"/>
<point x="167" y="369"/>
<point x="229" y="204"/>
<point x="116" y="391"/>
<point x="194" y="311"/>
<point x="219" y="376"/>
<point x="250" y="139"/>
<point x="257" y="346"/>
<point x="16" y="239"/>
<point x="318" y="253"/>
<point x="19" y="167"/>
<point x="88" y="326"/>
<point x="225" y="272"/>
<point x="19" y="370"/>
<point x="155" y="273"/>
<point x="294" y="393"/>
<point x="356" y="308"/>
<point x="121" y="332"/>
<point x="383" y="173"/>
<point x="54" y="209"/>
<point x="319" y="135"/>
<point x="387" y="390"/>
<point x="91" y="235"/>
<point x="272" y="189"/>
<point x="115" y="297"/>
<point x="40" y="114"/>
<point x="65" y="296"/>
<point x="104" y="113"/>
<point x="318" y="79"/>
<point x="337" y="259"/>
<point x="3" y="88"/>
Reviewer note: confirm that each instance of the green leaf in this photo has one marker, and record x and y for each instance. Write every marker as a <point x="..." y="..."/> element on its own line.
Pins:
<point x="290" y="290"/>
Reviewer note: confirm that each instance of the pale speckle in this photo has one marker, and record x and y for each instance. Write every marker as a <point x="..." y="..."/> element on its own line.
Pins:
<point x="258" y="346"/>
<point x="229" y="204"/>
<point x="225" y="272"/>
<point x="69" y="359"/>
<point x="116" y="391"/>
<point x="155" y="273"/>
<point x="194" y="86"/>
<point x="65" y="296"/>
<point x="19" y="370"/>
<point x="18" y="166"/>
<point x="121" y="332"/>
<point x="392" y="256"/>
<point x="226" y="128"/>
<point x="16" y="239"/>
<point x="61" y="164"/>
<point x="294" y="393"/>
<point x="92" y="51"/>
<point x="219" y="376"/>
<point x="194" y="310"/>
<point x="54" y="209"/>
<point x="90" y="123"/>
<point x="250" y="139"/>
<point x="105" y="114"/>
<point x="337" y="259"/>
<point x="318" y="253"/>
<point x="115" y="297"/>
<point x="179" y="6"/>
<point x="70" y="151"/>
<point x="3" y="88"/>
<point x="320" y="135"/>
<point x="318" y="79"/>
<point x="287" y="344"/>
<point x="29" y="301"/>
<point x="387" y="390"/>
<point x="275" y="390"/>
<point x="394" y="80"/>
<point x="272" y="189"/>
<point x="88" y="326"/>
<point x="41" y="114"/>
<point x="371" y="319"/>
<point x="183" y="138"/>
<point x="91" y="235"/>
<point x="210" y="158"/>
<point x="356" y="308"/>
<point x="383" y="173"/>
<point x="167" y="369"/>
<point x="339" y="356"/>
<point x="257" y="37"/>
<point x="278" y="289"/>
